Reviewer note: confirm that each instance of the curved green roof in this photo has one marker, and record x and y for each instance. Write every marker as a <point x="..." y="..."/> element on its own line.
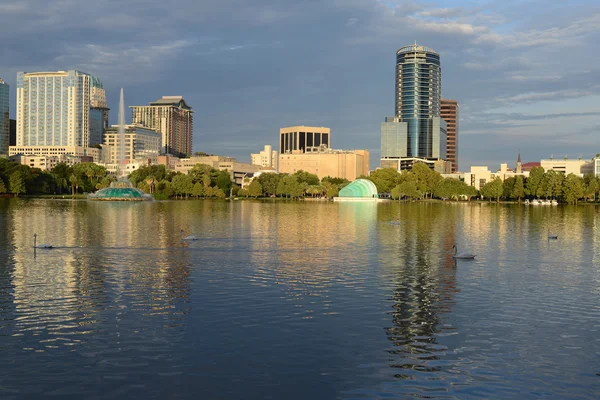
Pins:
<point x="360" y="188"/>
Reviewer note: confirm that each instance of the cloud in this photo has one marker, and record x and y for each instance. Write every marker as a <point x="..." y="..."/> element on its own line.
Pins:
<point x="442" y="12"/>
<point x="249" y="68"/>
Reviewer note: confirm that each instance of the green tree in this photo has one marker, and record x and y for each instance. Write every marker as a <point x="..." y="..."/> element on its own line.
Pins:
<point x="507" y="187"/>
<point x="164" y="189"/>
<point x="450" y="188"/>
<point x="182" y="185"/>
<point x="290" y="187"/>
<point x="255" y="189"/>
<point x="219" y="193"/>
<point x="335" y="181"/>
<point x="16" y="183"/>
<point x="61" y="172"/>
<point x="534" y="181"/>
<point x="331" y="189"/>
<point x="518" y="190"/>
<point x="426" y="179"/>
<point x="269" y="182"/>
<point x="590" y="186"/>
<point x="2" y="187"/>
<point x="406" y="189"/>
<point x="492" y="189"/>
<point x="306" y="177"/>
<point x="573" y="189"/>
<point x="385" y="179"/>
<point x="222" y="181"/>
<point x="209" y="191"/>
<point x="197" y="191"/>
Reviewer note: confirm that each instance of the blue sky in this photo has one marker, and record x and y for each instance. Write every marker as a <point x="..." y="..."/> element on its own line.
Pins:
<point x="526" y="73"/>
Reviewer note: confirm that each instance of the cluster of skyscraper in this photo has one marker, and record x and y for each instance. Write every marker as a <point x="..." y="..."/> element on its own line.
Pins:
<point x="68" y="109"/>
<point x="425" y="126"/>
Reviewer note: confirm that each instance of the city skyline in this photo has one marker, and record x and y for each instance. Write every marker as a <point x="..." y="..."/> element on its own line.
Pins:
<point x="237" y="63"/>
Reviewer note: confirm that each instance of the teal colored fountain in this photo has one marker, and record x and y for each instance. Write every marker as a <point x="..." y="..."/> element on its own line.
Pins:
<point x="121" y="190"/>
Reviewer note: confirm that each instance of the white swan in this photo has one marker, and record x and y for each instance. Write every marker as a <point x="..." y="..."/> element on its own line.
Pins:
<point x="465" y="256"/>
<point x="41" y="245"/>
<point x="190" y="237"/>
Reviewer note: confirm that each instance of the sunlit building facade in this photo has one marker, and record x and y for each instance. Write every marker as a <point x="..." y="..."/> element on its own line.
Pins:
<point x="300" y="139"/>
<point x="449" y="113"/>
<point x="140" y="144"/>
<point x="418" y="95"/>
<point x="172" y="117"/>
<point x="417" y="131"/>
<point x="63" y="108"/>
<point x="266" y="158"/>
<point x="347" y="164"/>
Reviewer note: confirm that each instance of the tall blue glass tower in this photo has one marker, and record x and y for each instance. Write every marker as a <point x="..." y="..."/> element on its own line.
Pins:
<point x="418" y="95"/>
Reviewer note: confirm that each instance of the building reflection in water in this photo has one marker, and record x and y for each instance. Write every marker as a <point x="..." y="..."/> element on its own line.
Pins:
<point x="112" y="264"/>
<point x="418" y="250"/>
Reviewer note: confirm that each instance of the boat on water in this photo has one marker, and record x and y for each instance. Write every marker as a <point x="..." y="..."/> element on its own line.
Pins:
<point x="554" y="202"/>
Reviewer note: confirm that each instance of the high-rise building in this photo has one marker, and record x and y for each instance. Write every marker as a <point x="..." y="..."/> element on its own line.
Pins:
<point x="418" y="96"/>
<point x="4" y="117"/>
<point x="394" y="138"/>
<point x="63" y="108"/>
<point x="266" y="158"/>
<point x="172" y="117"/>
<point x="303" y="139"/>
<point x="449" y="112"/>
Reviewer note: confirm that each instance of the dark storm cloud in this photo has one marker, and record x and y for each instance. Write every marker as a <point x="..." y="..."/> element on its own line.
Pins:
<point x="249" y="68"/>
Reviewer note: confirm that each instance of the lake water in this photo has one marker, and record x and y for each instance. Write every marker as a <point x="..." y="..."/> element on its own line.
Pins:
<point x="298" y="300"/>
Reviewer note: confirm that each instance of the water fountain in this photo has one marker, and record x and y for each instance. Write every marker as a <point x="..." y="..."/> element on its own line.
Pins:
<point x="122" y="189"/>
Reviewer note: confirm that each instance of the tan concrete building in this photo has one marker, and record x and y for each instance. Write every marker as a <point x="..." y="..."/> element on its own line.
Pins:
<point x="172" y="117"/>
<point x="46" y="163"/>
<point x="76" y="151"/>
<point x="449" y="113"/>
<point x="578" y="167"/>
<point x="297" y="139"/>
<point x="237" y="171"/>
<point x="140" y="144"/>
<point x="347" y="164"/>
<point x="266" y="158"/>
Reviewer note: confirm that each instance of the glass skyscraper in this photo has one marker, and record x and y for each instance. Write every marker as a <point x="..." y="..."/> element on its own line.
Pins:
<point x="4" y="117"/>
<point x="63" y="108"/>
<point x="418" y="94"/>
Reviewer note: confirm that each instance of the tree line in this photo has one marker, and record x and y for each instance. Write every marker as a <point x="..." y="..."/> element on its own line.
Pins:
<point x="422" y="182"/>
<point x="84" y="177"/>
<point x="204" y="181"/>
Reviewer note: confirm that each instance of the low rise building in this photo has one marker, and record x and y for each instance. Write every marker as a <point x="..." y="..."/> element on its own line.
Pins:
<point x="76" y="151"/>
<point x="46" y="163"/>
<point x="322" y="161"/>
<point x="578" y="167"/>
<point x="141" y="143"/>
<point x="237" y="171"/>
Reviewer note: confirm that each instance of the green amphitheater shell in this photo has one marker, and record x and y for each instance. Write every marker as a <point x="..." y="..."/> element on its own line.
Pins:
<point x="362" y="188"/>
